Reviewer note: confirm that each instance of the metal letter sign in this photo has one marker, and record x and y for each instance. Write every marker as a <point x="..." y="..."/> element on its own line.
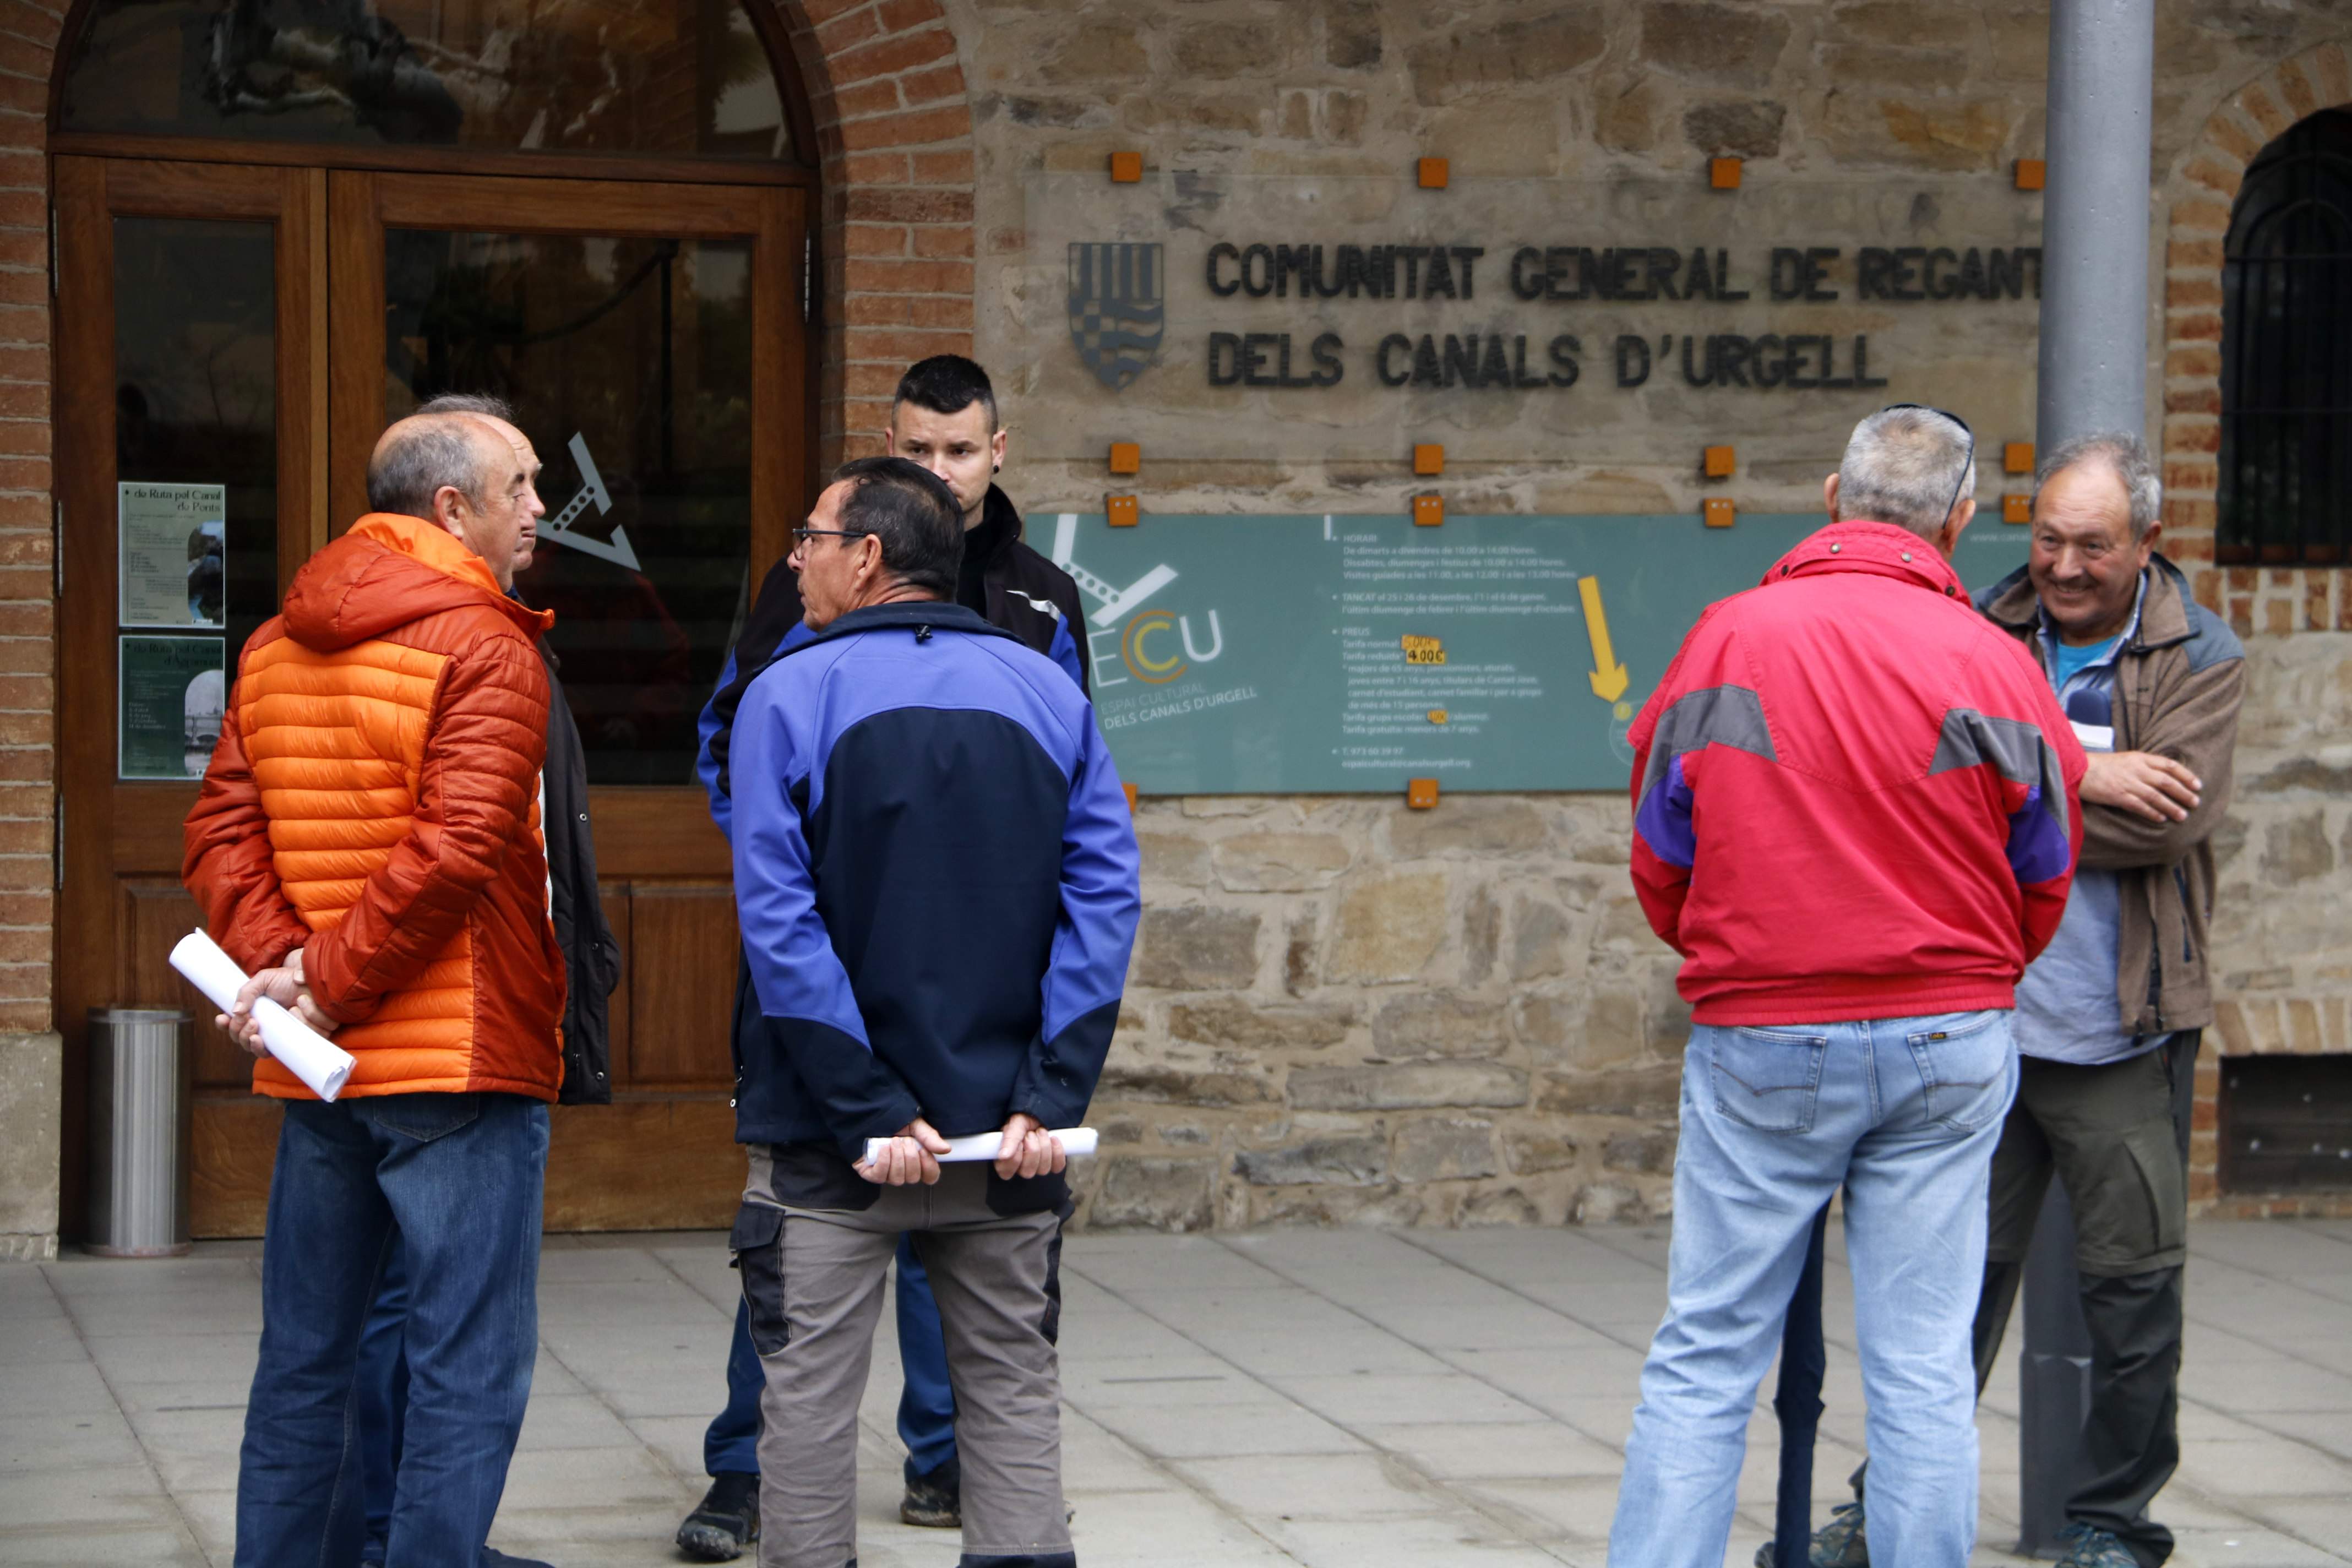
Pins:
<point x="1117" y="308"/>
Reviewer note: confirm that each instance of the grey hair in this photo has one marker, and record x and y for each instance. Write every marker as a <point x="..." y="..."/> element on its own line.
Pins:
<point x="469" y="402"/>
<point x="438" y="449"/>
<point x="2126" y="456"/>
<point x="1899" y="469"/>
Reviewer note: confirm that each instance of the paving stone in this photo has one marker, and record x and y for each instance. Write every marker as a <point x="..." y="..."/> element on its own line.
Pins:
<point x="1451" y="1396"/>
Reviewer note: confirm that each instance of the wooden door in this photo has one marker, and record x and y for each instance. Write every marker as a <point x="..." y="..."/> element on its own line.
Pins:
<point x="658" y="328"/>
<point x="651" y="339"/>
<point x="191" y="355"/>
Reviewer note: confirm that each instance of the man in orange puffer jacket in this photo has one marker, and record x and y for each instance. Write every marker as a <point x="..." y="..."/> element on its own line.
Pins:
<point x="367" y="844"/>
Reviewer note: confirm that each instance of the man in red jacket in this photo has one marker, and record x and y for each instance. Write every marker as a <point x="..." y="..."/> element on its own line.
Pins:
<point x="1854" y="817"/>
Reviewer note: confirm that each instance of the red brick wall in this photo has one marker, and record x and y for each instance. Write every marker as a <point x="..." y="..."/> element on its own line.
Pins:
<point x="894" y="130"/>
<point x="28" y="36"/>
<point x="2266" y="600"/>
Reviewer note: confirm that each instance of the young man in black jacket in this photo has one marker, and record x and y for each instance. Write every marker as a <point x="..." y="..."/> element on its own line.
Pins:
<point x="944" y="417"/>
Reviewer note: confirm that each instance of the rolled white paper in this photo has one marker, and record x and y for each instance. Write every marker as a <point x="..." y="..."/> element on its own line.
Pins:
<point x="1074" y="1141"/>
<point x="306" y="1052"/>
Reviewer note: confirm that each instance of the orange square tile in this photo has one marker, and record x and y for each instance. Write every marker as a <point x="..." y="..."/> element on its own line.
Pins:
<point x="1420" y="794"/>
<point x="1126" y="458"/>
<point x="2032" y="173"/>
<point x="1432" y="172"/>
<point x="1723" y="174"/>
<point x="1718" y="461"/>
<point x="1126" y="168"/>
<point x="2017" y="509"/>
<point x="2017" y="458"/>
<point x="1428" y="460"/>
<point x="1122" y="511"/>
<point x="1718" y="512"/>
<point x="1428" y="512"/>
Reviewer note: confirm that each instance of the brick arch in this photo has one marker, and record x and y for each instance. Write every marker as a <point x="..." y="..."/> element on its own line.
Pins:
<point x="894" y="137"/>
<point x="2271" y="600"/>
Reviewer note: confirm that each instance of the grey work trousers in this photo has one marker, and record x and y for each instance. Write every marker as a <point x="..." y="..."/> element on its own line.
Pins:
<point x="813" y="1277"/>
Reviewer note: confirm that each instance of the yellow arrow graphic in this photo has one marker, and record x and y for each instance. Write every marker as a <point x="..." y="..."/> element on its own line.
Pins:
<point x="1609" y="677"/>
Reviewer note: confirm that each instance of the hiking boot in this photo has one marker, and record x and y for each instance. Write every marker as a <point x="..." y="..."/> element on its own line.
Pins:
<point x="725" y="1521"/>
<point x="2088" y="1546"/>
<point x="1840" y="1543"/>
<point x="934" y="1498"/>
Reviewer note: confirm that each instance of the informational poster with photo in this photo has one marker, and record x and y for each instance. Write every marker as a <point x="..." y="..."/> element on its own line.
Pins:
<point x="172" y="691"/>
<point x="174" y="553"/>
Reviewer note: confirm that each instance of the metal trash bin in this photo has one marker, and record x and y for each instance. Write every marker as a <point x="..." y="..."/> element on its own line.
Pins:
<point x="142" y="1102"/>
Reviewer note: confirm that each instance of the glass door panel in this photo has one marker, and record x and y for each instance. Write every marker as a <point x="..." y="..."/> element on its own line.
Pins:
<point x="190" y="431"/>
<point x="627" y="359"/>
<point x="195" y="447"/>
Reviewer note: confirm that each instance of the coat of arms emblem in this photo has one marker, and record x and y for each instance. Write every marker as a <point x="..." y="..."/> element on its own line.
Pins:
<point x="1117" y="308"/>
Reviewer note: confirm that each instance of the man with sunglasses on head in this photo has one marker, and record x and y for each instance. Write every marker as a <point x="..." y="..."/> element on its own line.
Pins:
<point x="944" y="417"/>
<point x="1854" y="817"/>
<point x="2109" y="1017"/>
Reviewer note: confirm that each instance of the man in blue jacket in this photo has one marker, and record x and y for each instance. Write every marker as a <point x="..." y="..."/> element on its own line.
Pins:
<point x="944" y="417"/>
<point x="916" y="980"/>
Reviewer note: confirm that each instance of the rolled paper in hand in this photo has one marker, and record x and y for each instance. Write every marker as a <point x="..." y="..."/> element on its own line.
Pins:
<point x="306" y="1052"/>
<point x="1074" y="1141"/>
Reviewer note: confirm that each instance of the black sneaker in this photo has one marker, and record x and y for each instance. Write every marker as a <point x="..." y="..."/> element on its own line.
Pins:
<point x="934" y="1500"/>
<point x="725" y="1521"/>
<point x="494" y="1557"/>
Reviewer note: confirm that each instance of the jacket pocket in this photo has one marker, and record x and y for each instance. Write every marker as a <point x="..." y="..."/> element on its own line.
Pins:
<point x="1766" y="1078"/>
<point x="1966" y="1071"/>
<point x="758" y="1243"/>
<point x="425" y="1117"/>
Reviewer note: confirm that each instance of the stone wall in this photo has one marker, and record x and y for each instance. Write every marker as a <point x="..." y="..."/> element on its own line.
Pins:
<point x="1342" y="1011"/>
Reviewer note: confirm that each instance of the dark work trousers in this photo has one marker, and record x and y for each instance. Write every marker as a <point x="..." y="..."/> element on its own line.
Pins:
<point x="814" y="1241"/>
<point x="2117" y="1137"/>
<point x="926" y="1405"/>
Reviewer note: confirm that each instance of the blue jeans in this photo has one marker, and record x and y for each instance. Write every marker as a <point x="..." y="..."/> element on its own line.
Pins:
<point x="926" y="1405"/>
<point x="457" y="1179"/>
<point x="383" y="1398"/>
<point x="1905" y="1113"/>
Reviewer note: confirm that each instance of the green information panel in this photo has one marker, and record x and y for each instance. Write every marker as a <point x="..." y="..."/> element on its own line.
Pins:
<point x="171" y="690"/>
<point x="1325" y="654"/>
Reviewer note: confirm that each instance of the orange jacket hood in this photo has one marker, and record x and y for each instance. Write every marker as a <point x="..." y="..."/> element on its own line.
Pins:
<point x="387" y="572"/>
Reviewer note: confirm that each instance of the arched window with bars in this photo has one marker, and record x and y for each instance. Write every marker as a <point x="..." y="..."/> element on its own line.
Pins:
<point x="2285" y="493"/>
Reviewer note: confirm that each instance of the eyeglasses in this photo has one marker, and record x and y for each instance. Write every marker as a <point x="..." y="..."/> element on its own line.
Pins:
<point x="802" y="535"/>
<point x="1960" y="483"/>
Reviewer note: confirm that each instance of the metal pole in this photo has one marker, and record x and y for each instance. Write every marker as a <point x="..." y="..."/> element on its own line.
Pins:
<point x="2094" y="376"/>
<point x="2094" y="362"/>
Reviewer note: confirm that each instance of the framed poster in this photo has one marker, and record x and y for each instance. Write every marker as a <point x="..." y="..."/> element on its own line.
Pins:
<point x="170" y="694"/>
<point x="173" y="553"/>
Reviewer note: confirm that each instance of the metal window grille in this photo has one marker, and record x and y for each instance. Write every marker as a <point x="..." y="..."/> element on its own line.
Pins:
<point x="2286" y="495"/>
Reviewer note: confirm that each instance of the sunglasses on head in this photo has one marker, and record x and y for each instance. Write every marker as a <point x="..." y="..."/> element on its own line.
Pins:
<point x="1971" y="457"/>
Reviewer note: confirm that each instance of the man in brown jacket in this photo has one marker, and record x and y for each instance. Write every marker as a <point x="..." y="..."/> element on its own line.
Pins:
<point x="2109" y="1017"/>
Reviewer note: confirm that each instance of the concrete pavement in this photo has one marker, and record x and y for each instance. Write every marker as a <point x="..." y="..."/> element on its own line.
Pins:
<point x="1339" y="1399"/>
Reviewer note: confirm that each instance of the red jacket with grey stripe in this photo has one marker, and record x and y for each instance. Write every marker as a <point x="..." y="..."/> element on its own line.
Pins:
<point x="1853" y="797"/>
